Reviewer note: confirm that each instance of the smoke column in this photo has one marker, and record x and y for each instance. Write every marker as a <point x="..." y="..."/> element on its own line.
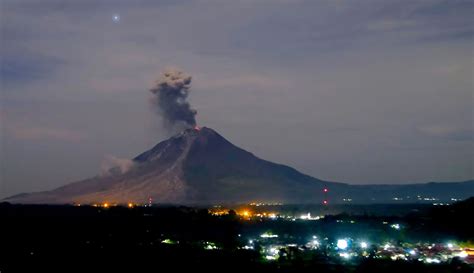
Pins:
<point x="171" y="92"/>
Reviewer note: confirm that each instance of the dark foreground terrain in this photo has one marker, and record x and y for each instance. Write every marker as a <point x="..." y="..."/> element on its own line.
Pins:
<point x="167" y="239"/>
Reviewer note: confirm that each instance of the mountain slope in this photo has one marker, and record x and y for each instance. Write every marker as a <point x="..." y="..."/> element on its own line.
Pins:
<point x="199" y="166"/>
<point x="195" y="166"/>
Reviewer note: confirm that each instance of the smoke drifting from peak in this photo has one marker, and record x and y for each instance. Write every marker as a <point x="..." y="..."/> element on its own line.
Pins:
<point x="115" y="165"/>
<point x="171" y="92"/>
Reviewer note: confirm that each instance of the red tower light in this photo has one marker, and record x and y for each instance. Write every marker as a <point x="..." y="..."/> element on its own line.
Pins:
<point x="325" y="202"/>
<point x="325" y="190"/>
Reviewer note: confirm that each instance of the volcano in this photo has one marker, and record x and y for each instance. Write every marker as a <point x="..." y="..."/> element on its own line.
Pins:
<point x="196" y="166"/>
<point x="199" y="166"/>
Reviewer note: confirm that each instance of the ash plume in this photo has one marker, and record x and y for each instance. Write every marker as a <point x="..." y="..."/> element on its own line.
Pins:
<point x="171" y="92"/>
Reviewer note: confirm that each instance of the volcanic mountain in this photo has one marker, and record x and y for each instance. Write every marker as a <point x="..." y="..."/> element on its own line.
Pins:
<point x="199" y="166"/>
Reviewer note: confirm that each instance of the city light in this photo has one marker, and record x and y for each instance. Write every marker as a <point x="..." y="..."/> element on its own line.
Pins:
<point x="395" y="226"/>
<point x="432" y="260"/>
<point x="344" y="255"/>
<point x="218" y="212"/>
<point x="105" y="205"/>
<point x="342" y="244"/>
<point x="305" y="216"/>
<point x="168" y="242"/>
<point x="398" y="257"/>
<point x="363" y="245"/>
<point x="308" y="216"/>
<point x="209" y="246"/>
<point x="130" y="205"/>
<point x="462" y="254"/>
<point x="268" y="235"/>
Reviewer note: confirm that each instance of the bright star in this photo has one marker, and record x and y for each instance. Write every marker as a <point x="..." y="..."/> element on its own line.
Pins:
<point x="116" y="18"/>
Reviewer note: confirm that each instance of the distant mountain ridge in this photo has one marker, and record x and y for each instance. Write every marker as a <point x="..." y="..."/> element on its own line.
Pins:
<point x="199" y="166"/>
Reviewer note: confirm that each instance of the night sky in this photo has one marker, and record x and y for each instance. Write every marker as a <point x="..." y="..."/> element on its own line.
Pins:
<point x="354" y="91"/>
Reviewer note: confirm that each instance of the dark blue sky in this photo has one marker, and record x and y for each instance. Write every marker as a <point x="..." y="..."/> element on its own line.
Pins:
<point x="351" y="91"/>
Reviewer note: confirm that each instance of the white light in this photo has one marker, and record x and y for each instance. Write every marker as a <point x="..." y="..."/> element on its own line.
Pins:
<point x="430" y="260"/>
<point x="450" y="245"/>
<point x="250" y="241"/>
<point x="268" y="257"/>
<point x="268" y="235"/>
<point x="395" y="226"/>
<point x="209" y="247"/>
<point x="344" y="255"/>
<point x="462" y="254"/>
<point x="274" y="250"/>
<point x="412" y="252"/>
<point x="386" y="246"/>
<point x="306" y="216"/>
<point x="116" y="18"/>
<point x="363" y="244"/>
<point x="342" y="244"/>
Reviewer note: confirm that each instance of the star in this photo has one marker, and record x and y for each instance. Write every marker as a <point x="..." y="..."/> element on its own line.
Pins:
<point x="116" y="18"/>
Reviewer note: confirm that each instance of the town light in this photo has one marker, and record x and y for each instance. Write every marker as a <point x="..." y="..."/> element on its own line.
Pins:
<point x="268" y="235"/>
<point x="395" y="226"/>
<point x="462" y="254"/>
<point x="344" y="255"/>
<point x="342" y="244"/>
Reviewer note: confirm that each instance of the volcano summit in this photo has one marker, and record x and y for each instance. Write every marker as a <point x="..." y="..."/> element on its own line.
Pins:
<point x="199" y="166"/>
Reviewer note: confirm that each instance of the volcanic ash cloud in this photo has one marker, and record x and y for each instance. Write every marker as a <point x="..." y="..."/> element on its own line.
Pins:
<point x="171" y="92"/>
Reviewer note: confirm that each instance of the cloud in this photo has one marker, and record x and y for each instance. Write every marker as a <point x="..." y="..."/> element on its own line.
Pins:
<point x="448" y="132"/>
<point x="24" y="69"/>
<point x="40" y="133"/>
<point x="390" y="25"/>
<point x="254" y="81"/>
